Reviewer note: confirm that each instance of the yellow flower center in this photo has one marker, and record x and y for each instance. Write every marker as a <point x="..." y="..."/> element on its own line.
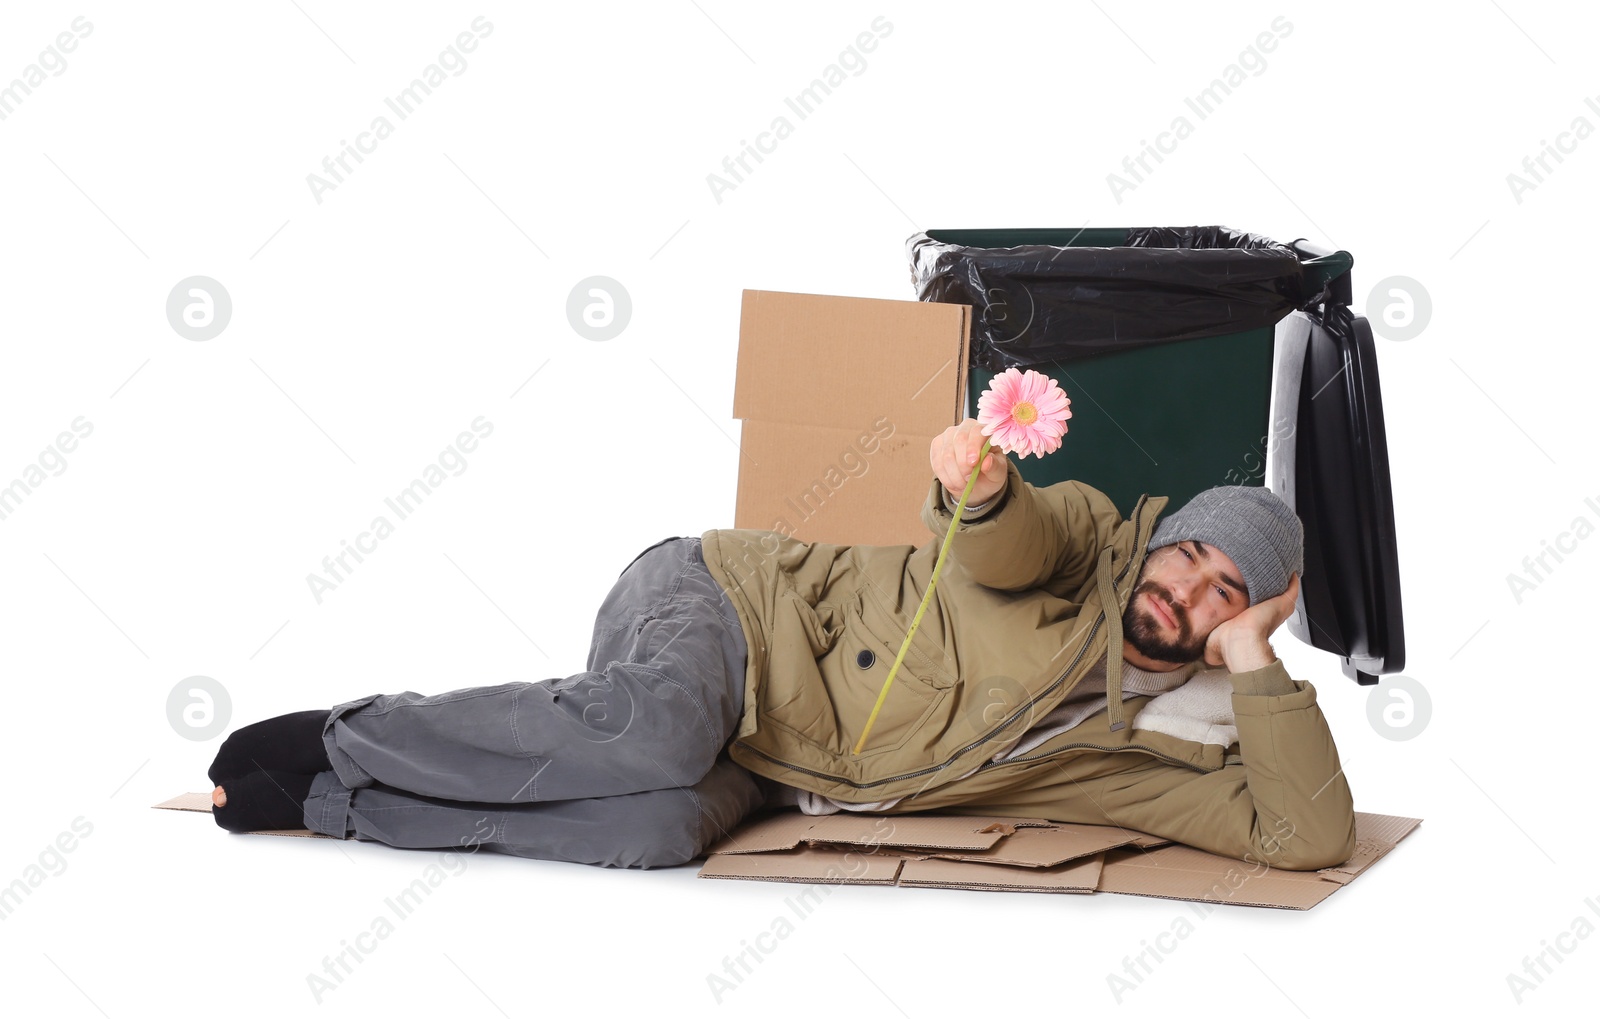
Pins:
<point x="1024" y="414"/>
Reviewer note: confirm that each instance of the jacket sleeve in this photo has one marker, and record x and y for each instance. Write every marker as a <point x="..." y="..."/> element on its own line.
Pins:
<point x="1030" y="535"/>
<point x="971" y="511"/>
<point x="1285" y="804"/>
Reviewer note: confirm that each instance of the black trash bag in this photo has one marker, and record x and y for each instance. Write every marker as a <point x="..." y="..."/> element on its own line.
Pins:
<point x="1037" y="302"/>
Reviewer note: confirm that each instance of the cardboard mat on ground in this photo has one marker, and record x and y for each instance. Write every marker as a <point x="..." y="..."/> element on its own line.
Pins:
<point x="1001" y="854"/>
<point x="1025" y="855"/>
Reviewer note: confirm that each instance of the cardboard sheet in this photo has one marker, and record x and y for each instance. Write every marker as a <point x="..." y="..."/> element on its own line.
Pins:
<point x="786" y="829"/>
<point x="1181" y="872"/>
<point x="808" y="865"/>
<point x="1045" y="847"/>
<point x="840" y="399"/>
<point x="1026" y="854"/>
<point x="1079" y="876"/>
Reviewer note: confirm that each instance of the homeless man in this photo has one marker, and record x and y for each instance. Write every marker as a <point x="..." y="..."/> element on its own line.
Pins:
<point x="1072" y="665"/>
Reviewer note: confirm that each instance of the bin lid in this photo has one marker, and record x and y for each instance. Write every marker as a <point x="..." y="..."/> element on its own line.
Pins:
<point x="1040" y="295"/>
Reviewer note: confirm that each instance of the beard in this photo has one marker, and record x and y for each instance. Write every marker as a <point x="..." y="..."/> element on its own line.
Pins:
<point x="1144" y="630"/>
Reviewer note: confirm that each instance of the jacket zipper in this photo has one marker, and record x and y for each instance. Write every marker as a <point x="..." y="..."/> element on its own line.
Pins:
<point x="1095" y="746"/>
<point x="1137" y="512"/>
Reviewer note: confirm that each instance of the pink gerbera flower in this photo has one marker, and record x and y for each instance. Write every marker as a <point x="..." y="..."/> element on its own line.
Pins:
<point x="1024" y="412"/>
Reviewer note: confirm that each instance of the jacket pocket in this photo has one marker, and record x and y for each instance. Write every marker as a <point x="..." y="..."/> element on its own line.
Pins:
<point x="826" y="705"/>
<point x="883" y="631"/>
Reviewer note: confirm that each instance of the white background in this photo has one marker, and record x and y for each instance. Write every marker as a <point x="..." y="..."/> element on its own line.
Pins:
<point x="430" y="287"/>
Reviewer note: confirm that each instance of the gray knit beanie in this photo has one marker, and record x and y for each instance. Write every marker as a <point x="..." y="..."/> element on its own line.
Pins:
<point x="1251" y="525"/>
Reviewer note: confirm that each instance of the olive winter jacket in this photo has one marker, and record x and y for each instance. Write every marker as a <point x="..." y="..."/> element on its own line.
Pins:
<point x="1030" y="596"/>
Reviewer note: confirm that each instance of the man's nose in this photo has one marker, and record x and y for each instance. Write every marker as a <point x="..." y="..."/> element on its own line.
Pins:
<point x="1183" y="591"/>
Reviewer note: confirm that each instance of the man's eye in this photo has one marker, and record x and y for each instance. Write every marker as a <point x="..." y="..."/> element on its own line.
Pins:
<point x="1191" y="559"/>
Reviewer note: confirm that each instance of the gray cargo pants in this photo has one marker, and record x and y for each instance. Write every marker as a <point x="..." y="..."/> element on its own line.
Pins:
<point x="622" y="765"/>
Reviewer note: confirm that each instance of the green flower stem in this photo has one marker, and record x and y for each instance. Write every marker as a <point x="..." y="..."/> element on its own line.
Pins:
<point x="917" y="619"/>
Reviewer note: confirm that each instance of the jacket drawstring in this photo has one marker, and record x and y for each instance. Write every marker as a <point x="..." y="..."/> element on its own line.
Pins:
<point x="1108" y="602"/>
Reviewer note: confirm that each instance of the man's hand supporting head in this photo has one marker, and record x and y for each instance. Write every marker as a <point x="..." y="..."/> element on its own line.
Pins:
<point x="1240" y="643"/>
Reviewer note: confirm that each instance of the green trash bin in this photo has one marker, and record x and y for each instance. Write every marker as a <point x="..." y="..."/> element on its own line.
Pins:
<point x="1138" y="327"/>
<point x="1165" y="339"/>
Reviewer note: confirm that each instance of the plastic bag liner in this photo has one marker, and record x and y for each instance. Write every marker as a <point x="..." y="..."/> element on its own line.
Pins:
<point x="1037" y="302"/>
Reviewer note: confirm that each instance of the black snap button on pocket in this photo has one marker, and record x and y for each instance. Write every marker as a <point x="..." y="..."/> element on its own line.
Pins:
<point x="865" y="658"/>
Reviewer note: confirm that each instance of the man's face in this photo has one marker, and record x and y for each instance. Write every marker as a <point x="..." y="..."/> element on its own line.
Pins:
<point x="1184" y="591"/>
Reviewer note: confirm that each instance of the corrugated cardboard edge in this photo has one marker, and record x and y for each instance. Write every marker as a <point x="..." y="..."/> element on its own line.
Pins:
<point x="832" y="865"/>
<point x="765" y="834"/>
<point x="201" y="803"/>
<point x="1047" y="846"/>
<point x="1142" y="865"/>
<point x="187" y="801"/>
<point x="1376" y="834"/>
<point x="911" y="831"/>
<point x="1183" y="872"/>
<point x="787" y="829"/>
<point x="977" y="853"/>
<point x="808" y="865"/>
<point x="964" y="365"/>
<point x="1081" y="876"/>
